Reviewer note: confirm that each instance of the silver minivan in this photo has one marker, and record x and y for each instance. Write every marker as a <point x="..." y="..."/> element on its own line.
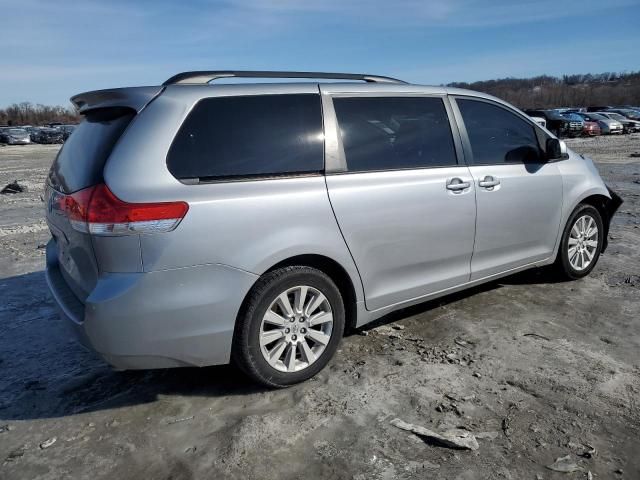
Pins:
<point x="197" y="223"/>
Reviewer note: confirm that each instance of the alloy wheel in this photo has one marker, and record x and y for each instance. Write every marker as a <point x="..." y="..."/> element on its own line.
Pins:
<point x="296" y="328"/>
<point x="583" y="242"/>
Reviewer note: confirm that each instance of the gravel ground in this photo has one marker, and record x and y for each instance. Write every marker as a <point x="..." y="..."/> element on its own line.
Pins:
<point x="542" y="369"/>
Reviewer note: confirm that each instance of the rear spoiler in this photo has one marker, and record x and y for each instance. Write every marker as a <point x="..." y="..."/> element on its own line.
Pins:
<point x="132" y="97"/>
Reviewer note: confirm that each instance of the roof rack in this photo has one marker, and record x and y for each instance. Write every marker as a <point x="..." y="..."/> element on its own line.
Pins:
<point x="204" y="77"/>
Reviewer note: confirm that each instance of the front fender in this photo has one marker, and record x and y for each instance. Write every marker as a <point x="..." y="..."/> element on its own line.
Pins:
<point x="605" y="200"/>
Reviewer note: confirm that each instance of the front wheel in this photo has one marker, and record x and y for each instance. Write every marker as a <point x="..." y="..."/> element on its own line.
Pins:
<point x="581" y="243"/>
<point x="289" y="327"/>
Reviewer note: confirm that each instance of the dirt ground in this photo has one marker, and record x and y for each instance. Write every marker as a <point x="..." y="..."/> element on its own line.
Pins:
<point x="543" y="369"/>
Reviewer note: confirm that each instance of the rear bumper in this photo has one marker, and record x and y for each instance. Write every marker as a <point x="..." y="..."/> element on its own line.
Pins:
<point x="169" y="318"/>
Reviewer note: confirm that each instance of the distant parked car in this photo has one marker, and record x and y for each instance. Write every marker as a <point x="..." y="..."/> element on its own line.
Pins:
<point x="557" y="124"/>
<point x="626" y="112"/>
<point x="46" y="135"/>
<point x="32" y="131"/>
<point x="575" y="118"/>
<point x="14" y="136"/>
<point x="607" y="125"/>
<point x="591" y="129"/>
<point x="66" y="130"/>
<point x="628" y="125"/>
<point x="540" y="121"/>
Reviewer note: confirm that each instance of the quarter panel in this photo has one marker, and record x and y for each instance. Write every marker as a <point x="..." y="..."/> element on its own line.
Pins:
<point x="252" y="225"/>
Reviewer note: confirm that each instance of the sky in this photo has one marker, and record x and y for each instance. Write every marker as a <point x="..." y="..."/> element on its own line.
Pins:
<point x="51" y="50"/>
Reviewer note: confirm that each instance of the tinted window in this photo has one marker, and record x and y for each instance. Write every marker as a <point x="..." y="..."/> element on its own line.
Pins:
<point x="81" y="160"/>
<point x="393" y="133"/>
<point x="246" y="136"/>
<point x="497" y="135"/>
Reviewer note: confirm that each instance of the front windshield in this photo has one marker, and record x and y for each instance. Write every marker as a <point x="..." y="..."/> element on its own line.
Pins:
<point x="595" y="116"/>
<point x="615" y="116"/>
<point x="17" y="131"/>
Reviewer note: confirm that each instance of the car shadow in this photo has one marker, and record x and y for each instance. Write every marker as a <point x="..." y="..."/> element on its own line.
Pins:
<point x="44" y="373"/>
<point x="534" y="276"/>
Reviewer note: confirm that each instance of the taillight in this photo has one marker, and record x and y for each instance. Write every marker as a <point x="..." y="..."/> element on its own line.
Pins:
<point x="98" y="211"/>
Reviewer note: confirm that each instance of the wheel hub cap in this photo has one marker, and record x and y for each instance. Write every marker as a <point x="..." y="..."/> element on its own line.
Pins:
<point x="583" y="242"/>
<point x="296" y="328"/>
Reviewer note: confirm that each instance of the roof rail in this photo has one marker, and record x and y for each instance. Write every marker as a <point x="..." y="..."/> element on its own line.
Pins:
<point x="204" y="77"/>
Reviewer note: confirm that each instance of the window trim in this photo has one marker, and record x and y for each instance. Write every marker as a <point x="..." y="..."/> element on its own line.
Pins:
<point x="191" y="181"/>
<point x="335" y="157"/>
<point x="540" y="134"/>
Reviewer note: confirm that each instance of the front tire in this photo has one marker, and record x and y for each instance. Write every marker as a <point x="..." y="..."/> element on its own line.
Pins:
<point x="581" y="243"/>
<point x="289" y="327"/>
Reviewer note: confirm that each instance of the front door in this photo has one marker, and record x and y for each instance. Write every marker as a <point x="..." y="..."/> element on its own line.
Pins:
<point x="405" y="206"/>
<point x="518" y="194"/>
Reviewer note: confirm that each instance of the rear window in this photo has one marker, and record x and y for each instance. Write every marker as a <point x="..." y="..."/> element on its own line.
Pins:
<point x="81" y="160"/>
<point x="247" y="136"/>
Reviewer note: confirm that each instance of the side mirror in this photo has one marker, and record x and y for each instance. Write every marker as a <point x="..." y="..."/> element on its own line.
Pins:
<point x="556" y="149"/>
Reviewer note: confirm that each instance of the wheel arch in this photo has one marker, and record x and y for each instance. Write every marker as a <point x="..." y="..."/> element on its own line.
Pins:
<point x="606" y="207"/>
<point x="330" y="267"/>
<point x="336" y="272"/>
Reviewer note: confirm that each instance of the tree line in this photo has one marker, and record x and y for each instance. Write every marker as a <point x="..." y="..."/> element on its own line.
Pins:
<point x="545" y="91"/>
<point x="537" y="92"/>
<point x="26" y="113"/>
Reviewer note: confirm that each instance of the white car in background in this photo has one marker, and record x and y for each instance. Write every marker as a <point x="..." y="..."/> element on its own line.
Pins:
<point x="628" y="124"/>
<point x="540" y="121"/>
<point x="14" y="136"/>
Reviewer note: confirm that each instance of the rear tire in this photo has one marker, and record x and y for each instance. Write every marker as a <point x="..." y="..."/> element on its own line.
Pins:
<point x="289" y="327"/>
<point x="581" y="243"/>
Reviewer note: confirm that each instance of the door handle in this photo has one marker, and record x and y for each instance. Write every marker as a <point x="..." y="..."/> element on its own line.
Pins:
<point x="457" y="185"/>
<point x="489" y="182"/>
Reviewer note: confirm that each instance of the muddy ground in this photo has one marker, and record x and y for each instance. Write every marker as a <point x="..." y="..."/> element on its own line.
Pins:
<point x="548" y="369"/>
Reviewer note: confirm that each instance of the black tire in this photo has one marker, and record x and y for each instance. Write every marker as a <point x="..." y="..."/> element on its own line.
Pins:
<point x="246" y="352"/>
<point x="563" y="265"/>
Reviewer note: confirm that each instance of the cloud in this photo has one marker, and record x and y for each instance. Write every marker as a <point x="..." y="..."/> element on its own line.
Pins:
<point x="54" y="49"/>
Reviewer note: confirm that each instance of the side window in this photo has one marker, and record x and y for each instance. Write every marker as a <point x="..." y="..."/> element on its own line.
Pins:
<point x="390" y="133"/>
<point x="497" y="135"/>
<point x="249" y="135"/>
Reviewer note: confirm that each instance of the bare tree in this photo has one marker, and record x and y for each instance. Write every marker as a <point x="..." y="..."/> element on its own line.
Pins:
<point x="25" y="113"/>
<point x="607" y="88"/>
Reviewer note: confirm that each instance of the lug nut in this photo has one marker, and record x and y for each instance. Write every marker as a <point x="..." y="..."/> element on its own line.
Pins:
<point x="301" y="319"/>
<point x="292" y="319"/>
<point x="287" y="330"/>
<point x="294" y="337"/>
<point x="303" y="330"/>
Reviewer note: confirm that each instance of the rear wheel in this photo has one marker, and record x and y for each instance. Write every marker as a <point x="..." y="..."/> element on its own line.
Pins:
<point x="290" y="326"/>
<point x="581" y="243"/>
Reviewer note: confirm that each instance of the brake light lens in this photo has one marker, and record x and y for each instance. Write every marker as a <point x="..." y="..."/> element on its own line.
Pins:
<point x="98" y="211"/>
